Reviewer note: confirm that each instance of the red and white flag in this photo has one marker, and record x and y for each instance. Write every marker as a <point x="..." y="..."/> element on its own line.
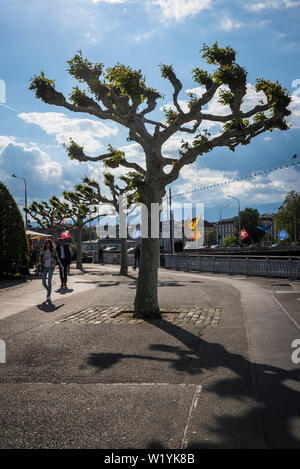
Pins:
<point x="243" y="234"/>
<point x="65" y="234"/>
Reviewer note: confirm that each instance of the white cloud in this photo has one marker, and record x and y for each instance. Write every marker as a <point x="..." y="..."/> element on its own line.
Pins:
<point x="109" y="1"/>
<point x="271" y="4"/>
<point x="179" y="9"/>
<point x="143" y="36"/>
<point x="259" y="190"/>
<point x="31" y="163"/>
<point x="294" y="118"/>
<point x="44" y="176"/>
<point x="90" y="38"/>
<point x="6" y="140"/>
<point x="86" y="132"/>
<point x="228" y="24"/>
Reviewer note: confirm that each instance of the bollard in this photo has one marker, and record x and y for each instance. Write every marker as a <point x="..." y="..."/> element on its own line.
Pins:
<point x="2" y="351"/>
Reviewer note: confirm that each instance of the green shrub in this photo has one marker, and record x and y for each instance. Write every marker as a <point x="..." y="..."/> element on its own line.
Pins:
<point x="13" y="241"/>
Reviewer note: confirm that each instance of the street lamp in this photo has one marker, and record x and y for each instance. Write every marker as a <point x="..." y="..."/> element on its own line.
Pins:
<point x="13" y="175"/>
<point x="235" y="198"/>
<point x="220" y="221"/>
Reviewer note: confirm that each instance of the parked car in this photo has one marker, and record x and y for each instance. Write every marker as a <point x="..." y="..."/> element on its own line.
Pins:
<point x="275" y="245"/>
<point x="130" y="250"/>
<point x="216" y="246"/>
<point x="111" y="248"/>
<point x="233" y="246"/>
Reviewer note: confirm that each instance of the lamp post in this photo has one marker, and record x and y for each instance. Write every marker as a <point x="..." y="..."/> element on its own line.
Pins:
<point x="13" y="175"/>
<point x="235" y="198"/>
<point x="220" y="221"/>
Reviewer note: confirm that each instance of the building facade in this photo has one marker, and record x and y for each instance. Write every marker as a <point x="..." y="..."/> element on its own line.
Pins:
<point x="225" y="228"/>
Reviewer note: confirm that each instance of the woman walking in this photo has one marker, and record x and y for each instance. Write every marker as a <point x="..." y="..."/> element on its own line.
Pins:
<point x="48" y="260"/>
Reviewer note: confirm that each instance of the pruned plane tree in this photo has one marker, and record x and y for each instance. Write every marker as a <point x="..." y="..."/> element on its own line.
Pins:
<point x="120" y="94"/>
<point x="91" y="193"/>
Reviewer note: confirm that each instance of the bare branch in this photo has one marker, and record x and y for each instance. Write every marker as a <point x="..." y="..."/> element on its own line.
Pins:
<point x="229" y="138"/>
<point x="168" y="72"/>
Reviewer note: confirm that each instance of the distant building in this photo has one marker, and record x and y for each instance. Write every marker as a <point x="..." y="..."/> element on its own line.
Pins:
<point x="225" y="228"/>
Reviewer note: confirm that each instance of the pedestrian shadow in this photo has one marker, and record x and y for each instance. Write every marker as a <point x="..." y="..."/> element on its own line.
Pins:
<point x="47" y="307"/>
<point x="63" y="291"/>
<point x="273" y="400"/>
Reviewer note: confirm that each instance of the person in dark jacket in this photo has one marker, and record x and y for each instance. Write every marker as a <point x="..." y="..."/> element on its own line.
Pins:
<point x="100" y="255"/>
<point x="64" y="257"/>
<point x="137" y="255"/>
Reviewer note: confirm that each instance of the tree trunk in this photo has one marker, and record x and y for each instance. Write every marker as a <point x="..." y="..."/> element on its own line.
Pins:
<point x="79" y="246"/>
<point x="124" y="257"/>
<point x="146" y="302"/>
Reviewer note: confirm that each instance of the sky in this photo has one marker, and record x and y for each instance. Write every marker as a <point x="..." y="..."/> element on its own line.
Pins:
<point x="41" y="35"/>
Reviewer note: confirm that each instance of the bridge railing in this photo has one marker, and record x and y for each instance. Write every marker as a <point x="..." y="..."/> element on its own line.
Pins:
<point x="233" y="265"/>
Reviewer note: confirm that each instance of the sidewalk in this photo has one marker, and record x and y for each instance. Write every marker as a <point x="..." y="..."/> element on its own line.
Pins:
<point x="78" y="375"/>
<point x="18" y="297"/>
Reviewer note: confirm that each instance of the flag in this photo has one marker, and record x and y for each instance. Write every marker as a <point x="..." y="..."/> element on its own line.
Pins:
<point x="192" y="227"/>
<point x="65" y="234"/>
<point x="282" y="235"/>
<point x="243" y="234"/>
<point x="265" y="228"/>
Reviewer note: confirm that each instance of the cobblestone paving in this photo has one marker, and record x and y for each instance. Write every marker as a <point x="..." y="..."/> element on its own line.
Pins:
<point x="193" y="315"/>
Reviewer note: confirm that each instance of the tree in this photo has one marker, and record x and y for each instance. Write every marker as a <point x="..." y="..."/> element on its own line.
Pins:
<point x="50" y="216"/>
<point x="229" y="241"/>
<point x="13" y="242"/>
<point x="80" y="213"/>
<point x="46" y="214"/>
<point x="211" y="238"/>
<point x="288" y="217"/>
<point x="249" y="218"/>
<point x="91" y="193"/>
<point x="89" y="233"/>
<point x="120" y="94"/>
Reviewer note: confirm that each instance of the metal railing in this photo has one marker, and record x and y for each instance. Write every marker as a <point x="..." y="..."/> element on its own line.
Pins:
<point x="252" y="266"/>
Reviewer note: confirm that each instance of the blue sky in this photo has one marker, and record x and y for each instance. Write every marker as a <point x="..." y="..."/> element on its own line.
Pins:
<point x="43" y="35"/>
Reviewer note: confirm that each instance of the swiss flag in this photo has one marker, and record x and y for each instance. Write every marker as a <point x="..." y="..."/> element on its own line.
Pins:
<point x="65" y="234"/>
<point x="243" y="234"/>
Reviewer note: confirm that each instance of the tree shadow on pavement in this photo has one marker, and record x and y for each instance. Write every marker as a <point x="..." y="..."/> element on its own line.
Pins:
<point x="161" y="283"/>
<point x="272" y="395"/>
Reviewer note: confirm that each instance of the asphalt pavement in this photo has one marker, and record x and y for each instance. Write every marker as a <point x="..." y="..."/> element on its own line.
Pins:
<point x="79" y="384"/>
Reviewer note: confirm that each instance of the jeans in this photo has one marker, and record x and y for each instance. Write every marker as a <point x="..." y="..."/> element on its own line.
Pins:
<point x="63" y="271"/>
<point x="47" y="271"/>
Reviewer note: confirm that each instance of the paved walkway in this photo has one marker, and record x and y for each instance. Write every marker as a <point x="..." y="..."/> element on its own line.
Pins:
<point x="19" y="297"/>
<point x="72" y="380"/>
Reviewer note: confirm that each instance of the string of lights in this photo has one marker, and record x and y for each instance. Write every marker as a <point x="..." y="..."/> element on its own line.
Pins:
<point x="251" y="175"/>
<point x="258" y="172"/>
